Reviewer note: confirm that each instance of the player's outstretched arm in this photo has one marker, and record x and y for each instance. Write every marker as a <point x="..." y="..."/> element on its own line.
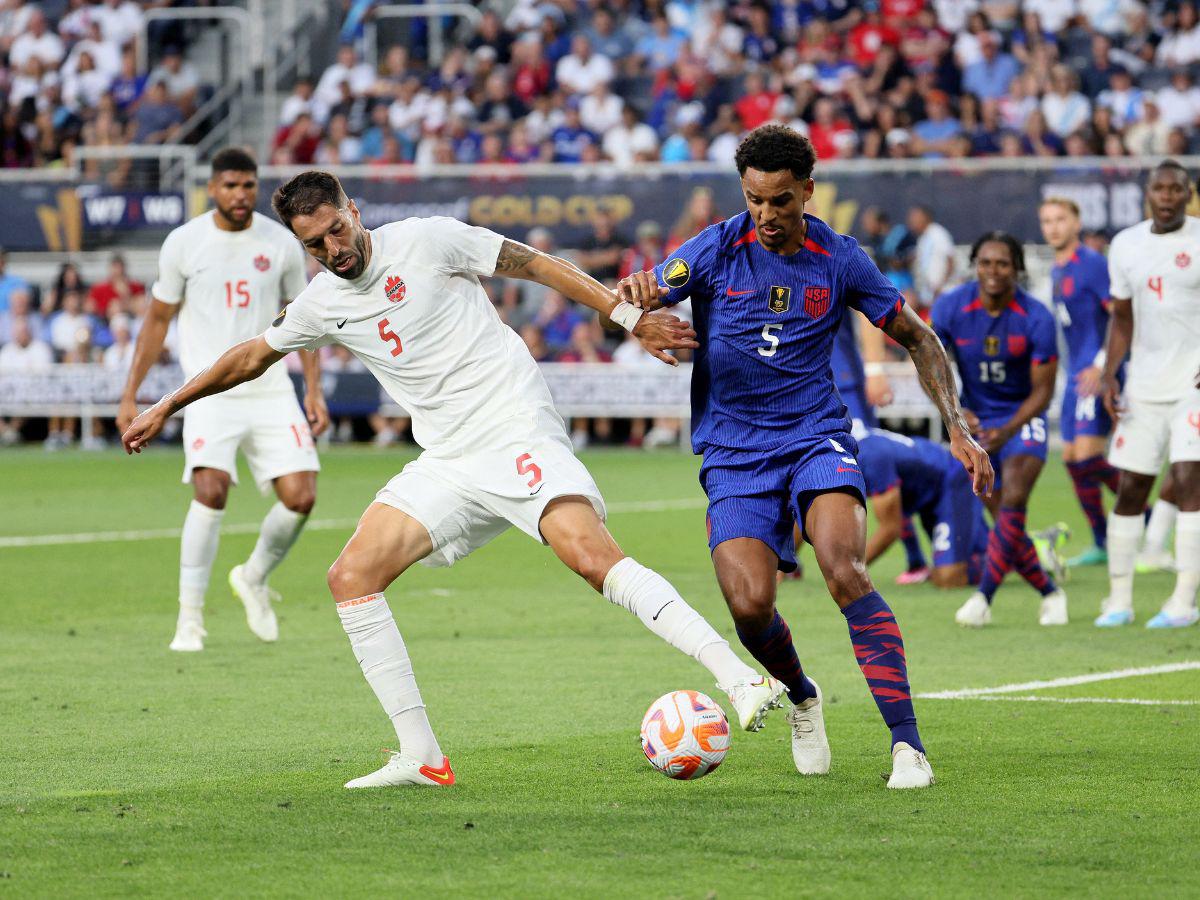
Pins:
<point x="1116" y="348"/>
<point x="658" y="332"/>
<point x="241" y="363"/>
<point x="146" y="353"/>
<point x="933" y="367"/>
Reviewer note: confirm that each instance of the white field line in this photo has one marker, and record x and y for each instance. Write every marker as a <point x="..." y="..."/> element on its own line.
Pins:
<point x="993" y="693"/>
<point x="151" y="534"/>
<point x="1033" y="698"/>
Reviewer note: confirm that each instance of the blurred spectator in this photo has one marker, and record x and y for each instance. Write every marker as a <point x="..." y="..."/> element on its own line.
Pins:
<point x="120" y="20"/>
<point x="156" y="119"/>
<point x="118" y="356"/>
<point x="600" y="252"/>
<point x="586" y="346"/>
<point x="581" y="70"/>
<point x="698" y="214"/>
<point x="300" y="100"/>
<point x="646" y="253"/>
<point x="932" y="135"/>
<point x="1121" y="98"/>
<point x="557" y="320"/>
<point x="1064" y="108"/>
<point x="989" y="76"/>
<point x="1179" y="102"/>
<point x="535" y="342"/>
<point x="660" y="48"/>
<point x="891" y="245"/>
<point x="24" y="353"/>
<point x="757" y="103"/>
<point x="129" y="85"/>
<point x="934" y="261"/>
<point x="180" y="78"/>
<point x="70" y="326"/>
<point x="632" y="141"/>
<point x="36" y="41"/>
<point x="600" y="111"/>
<point x="9" y="282"/>
<point x="20" y="309"/>
<point x="119" y="293"/>
<point x="570" y="138"/>
<point x="1150" y="136"/>
<point x="348" y="69"/>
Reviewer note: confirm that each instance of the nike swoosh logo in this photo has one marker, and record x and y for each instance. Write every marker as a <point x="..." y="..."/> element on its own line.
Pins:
<point x="343" y="322"/>
<point x="963" y="342"/>
<point x="536" y="489"/>
<point x="444" y="775"/>
<point x="730" y="292"/>
<point x="654" y="618"/>
<point x="845" y="469"/>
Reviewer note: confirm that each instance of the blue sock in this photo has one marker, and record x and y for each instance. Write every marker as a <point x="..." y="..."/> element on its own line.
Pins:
<point x="773" y="648"/>
<point x="879" y="649"/>
<point x="913" y="551"/>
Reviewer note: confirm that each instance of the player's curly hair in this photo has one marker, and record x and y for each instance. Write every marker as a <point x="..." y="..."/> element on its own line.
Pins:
<point x="306" y="193"/>
<point x="773" y="148"/>
<point x="1015" y="250"/>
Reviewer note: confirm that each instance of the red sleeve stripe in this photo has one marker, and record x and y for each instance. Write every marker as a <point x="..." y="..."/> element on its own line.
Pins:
<point x="747" y="238"/>
<point x="890" y="314"/>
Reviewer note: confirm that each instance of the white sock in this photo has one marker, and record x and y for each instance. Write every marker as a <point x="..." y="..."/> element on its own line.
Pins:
<point x="1124" y="533"/>
<point x="279" y="531"/>
<point x="384" y="660"/>
<point x="197" y="550"/>
<point x="652" y="599"/>
<point x="1187" y="561"/>
<point x="1162" y="519"/>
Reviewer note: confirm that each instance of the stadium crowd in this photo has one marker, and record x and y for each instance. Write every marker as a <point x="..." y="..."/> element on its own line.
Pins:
<point x="679" y="81"/>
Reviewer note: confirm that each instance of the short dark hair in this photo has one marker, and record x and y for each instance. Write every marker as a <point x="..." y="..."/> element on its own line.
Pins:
<point x="773" y="148"/>
<point x="305" y="193"/>
<point x="233" y="159"/>
<point x="1015" y="250"/>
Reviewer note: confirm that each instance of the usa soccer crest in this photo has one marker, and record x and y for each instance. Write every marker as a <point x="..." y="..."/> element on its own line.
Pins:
<point x="816" y="300"/>
<point x="991" y="345"/>
<point x="780" y="299"/>
<point x="262" y="263"/>
<point x="395" y="289"/>
<point x="676" y="273"/>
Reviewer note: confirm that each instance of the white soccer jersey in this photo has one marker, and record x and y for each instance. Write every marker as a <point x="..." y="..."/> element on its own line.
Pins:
<point x="420" y="321"/>
<point x="1161" y="274"/>
<point x="232" y="285"/>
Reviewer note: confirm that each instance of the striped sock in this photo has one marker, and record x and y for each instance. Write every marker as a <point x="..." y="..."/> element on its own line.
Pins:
<point x="975" y="568"/>
<point x="879" y="649"/>
<point x="774" y="649"/>
<point x="1024" y="554"/>
<point x="1086" y="476"/>
<point x="912" y="545"/>
<point x="996" y="563"/>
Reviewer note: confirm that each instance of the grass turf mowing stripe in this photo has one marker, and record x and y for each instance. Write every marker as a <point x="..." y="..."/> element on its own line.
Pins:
<point x="966" y="693"/>
<point x="150" y="534"/>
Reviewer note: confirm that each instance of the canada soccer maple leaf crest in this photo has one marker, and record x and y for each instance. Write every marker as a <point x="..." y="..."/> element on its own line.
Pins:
<point x="1183" y="260"/>
<point x="394" y="288"/>
<point x="262" y="263"/>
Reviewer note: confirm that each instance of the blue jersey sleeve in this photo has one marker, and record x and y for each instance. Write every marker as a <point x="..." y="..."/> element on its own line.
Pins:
<point x="867" y="289"/>
<point x="1043" y="336"/>
<point x="688" y="272"/>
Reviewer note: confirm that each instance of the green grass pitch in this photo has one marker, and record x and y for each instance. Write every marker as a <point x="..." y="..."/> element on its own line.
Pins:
<point x="127" y="770"/>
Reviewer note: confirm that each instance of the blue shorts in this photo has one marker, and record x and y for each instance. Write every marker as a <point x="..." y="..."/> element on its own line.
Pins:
<point x="1083" y="416"/>
<point x="1031" y="440"/>
<point x="956" y="526"/>
<point x="760" y="493"/>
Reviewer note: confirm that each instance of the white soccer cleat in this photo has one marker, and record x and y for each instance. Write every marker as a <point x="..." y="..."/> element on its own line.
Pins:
<point x="1112" y="615"/>
<point x="753" y="698"/>
<point x="910" y="768"/>
<point x="189" y="636"/>
<point x="1175" y="615"/>
<point x="810" y="746"/>
<point x="257" y="600"/>
<point x="975" y="613"/>
<point x="1054" y="609"/>
<point x="402" y="770"/>
<point x="1154" y="561"/>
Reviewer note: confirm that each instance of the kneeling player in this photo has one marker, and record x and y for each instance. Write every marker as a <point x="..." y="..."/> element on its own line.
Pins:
<point x="1004" y="343"/>
<point x="916" y="478"/>
<point x="406" y="300"/>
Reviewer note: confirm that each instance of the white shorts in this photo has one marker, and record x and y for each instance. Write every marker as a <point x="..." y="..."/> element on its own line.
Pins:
<point x="468" y="500"/>
<point x="271" y="430"/>
<point x="1149" y="432"/>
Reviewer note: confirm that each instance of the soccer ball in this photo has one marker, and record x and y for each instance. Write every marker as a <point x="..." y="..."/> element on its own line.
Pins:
<point x="685" y="734"/>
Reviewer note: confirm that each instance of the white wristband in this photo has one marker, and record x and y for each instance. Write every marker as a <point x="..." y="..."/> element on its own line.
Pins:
<point x="872" y="369"/>
<point x="626" y="315"/>
<point x="1101" y="359"/>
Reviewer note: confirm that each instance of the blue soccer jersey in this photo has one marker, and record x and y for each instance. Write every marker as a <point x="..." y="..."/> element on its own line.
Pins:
<point x="849" y="376"/>
<point x="995" y="354"/>
<point x="1081" y="301"/>
<point x="766" y="325"/>
<point x="934" y="488"/>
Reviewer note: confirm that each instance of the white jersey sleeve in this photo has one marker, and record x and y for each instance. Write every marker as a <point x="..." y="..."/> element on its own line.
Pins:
<point x="169" y="285"/>
<point x="1119" y="285"/>
<point x="456" y="248"/>
<point x="301" y="325"/>
<point x="294" y="279"/>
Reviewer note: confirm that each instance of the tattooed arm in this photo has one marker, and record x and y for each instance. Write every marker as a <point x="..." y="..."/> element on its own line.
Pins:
<point x="933" y="367"/>
<point x="658" y="332"/>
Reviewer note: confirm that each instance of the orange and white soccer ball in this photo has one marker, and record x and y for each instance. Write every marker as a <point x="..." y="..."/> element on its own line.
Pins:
<point x="685" y="734"/>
